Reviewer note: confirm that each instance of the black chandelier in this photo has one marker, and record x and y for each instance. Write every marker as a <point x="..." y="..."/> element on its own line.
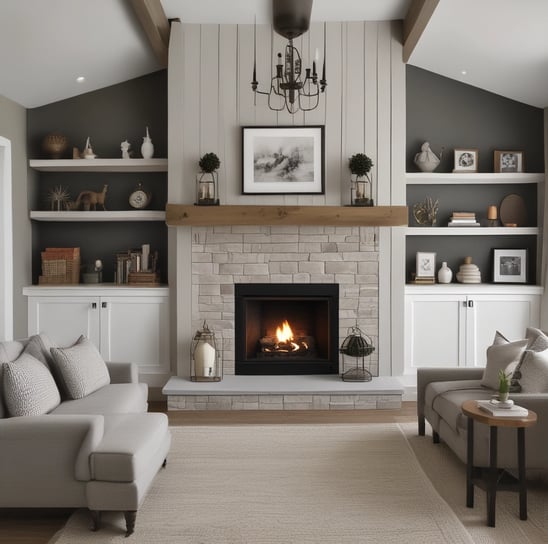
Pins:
<point x="288" y="89"/>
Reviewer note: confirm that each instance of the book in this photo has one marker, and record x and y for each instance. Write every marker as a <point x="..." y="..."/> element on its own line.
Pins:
<point x="464" y="215"/>
<point x="495" y="409"/>
<point x="463" y="224"/>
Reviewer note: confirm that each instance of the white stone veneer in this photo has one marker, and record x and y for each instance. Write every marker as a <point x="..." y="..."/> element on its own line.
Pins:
<point x="223" y="256"/>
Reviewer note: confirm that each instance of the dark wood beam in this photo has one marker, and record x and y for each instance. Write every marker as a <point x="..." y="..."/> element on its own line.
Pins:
<point x="418" y="16"/>
<point x="156" y="26"/>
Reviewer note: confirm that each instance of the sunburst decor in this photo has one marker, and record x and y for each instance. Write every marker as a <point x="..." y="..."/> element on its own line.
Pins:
<point x="59" y="199"/>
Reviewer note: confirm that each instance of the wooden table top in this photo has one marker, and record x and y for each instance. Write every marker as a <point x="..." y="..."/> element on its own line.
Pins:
<point x="471" y="409"/>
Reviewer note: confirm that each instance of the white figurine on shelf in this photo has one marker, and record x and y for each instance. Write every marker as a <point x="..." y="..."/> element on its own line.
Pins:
<point x="125" y="146"/>
<point x="147" y="149"/>
<point x="88" y="151"/>
<point x="426" y="160"/>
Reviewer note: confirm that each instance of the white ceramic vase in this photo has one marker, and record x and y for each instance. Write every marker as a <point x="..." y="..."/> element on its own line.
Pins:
<point x="445" y="274"/>
<point x="147" y="148"/>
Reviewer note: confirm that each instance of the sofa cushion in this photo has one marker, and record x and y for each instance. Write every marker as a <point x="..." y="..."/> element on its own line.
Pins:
<point x="534" y="372"/>
<point x="129" y="446"/>
<point x="538" y="341"/>
<point x="29" y="388"/>
<point x="504" y="357"/>
<point x="433" y="389"/>
<point x="9" y="351"/>
<point x="116" y="398"/>
<point x="81" y="368"/>
<point x="39" y="346"/>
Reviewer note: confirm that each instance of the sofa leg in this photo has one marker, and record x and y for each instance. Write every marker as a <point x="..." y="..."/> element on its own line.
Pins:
<point x="164" y="463"/>
<point x="95" y="520"/>
<point x="131" y="516"/>
<point x="422" y="426"/>
<point x="435" y="437"/>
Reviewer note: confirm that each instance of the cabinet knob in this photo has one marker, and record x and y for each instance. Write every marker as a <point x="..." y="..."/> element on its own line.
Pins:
<point x="470" y="304"/>
<point x="103" y="304"/>
<point x="93" y="305"/>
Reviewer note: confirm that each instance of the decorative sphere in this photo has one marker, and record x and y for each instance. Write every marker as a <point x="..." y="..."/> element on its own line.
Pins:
<point x="55" y="144"/>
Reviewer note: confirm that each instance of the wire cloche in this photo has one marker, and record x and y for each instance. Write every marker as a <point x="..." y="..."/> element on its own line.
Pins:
<point x="359" y="346"/>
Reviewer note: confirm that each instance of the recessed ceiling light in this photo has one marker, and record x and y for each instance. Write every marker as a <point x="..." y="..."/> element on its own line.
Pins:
<point x="80" y="79"/>
<point x="463" y="72"/>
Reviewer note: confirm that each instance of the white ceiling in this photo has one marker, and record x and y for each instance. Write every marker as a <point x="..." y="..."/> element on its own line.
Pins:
<point x="45" y="45"/>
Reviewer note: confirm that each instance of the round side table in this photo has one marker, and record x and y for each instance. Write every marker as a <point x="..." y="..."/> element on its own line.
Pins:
<point x="490" y="481"/>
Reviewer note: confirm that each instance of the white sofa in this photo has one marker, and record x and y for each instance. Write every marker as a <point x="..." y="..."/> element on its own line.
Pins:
<point x="99" y="451"/>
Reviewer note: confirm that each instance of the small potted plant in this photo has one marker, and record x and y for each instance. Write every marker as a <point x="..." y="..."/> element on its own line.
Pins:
<point x="206" y="182"/>
<point x="504" y="385"/>
<point x="360" y="187"/>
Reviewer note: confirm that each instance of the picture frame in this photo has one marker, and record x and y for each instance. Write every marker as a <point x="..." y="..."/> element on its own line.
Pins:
<point x="281" y="160"/>
<point x="510" y="265"/>
<point x="508" y="161"/>
<point x="425" y="265"/>
<point x="466" y="160"/>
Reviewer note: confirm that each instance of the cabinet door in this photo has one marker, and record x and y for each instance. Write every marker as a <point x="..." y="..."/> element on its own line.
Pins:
<point x="64" y="319"/>
<point x="136" y="329"/>
<point x="509" y="314"/>
<point x="435" y="331"/>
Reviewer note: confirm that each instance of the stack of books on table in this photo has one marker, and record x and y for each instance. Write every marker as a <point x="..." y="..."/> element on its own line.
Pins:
<point x="422" y="280"/>
<point x="501" y="409"/>
<point x="463" y="219"/>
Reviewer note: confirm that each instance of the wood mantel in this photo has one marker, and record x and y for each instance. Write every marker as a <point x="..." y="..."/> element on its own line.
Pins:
<point x="342" y="216"/>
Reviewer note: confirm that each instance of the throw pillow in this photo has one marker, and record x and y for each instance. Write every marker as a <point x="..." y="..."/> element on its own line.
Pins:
<point x="81" y="368"/>
<point x="500" y="339"/>
<point x="39" y="347"/>
<point x="502" y="357"/>
<point x="29" y="387"/>
<point x="534" y="372"/>
<point x="538" y="341"/>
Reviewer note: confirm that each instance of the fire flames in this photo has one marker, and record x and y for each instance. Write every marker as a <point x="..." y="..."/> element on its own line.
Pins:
<point x="284" y="333"/>
<point x="284" y="341"/>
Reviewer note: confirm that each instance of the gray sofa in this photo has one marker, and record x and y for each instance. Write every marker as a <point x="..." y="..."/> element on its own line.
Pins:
<point x="100" y="451"/>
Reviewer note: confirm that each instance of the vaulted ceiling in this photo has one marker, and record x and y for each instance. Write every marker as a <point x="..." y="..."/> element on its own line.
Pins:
<point x="498" y="45"/>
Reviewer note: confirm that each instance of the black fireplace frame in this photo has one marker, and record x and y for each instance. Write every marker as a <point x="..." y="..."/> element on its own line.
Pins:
<point x="328" y="292"/>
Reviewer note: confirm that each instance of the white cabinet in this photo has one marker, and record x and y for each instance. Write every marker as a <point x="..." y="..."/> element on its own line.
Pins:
<point x="452" y="326"/>
<point x="126" y="324"/>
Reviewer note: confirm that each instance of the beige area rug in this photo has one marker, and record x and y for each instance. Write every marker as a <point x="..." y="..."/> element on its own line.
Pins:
<point x="448" y="474"/>
<point x="301" y="484"/>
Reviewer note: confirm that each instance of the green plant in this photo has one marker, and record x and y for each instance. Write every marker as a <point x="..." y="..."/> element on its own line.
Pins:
<point x="209" y="163"/>
<point x="360" y="164"/>
<point x="504" y="381"/>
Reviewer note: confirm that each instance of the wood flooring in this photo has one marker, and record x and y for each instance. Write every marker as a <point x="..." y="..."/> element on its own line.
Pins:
<point x="38" y="526"/>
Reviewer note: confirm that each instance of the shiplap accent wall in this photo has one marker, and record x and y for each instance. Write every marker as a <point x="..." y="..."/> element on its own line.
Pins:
<point x="210" y="99"/>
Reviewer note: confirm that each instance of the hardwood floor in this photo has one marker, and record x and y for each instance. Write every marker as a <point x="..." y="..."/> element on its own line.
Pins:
<point x="37" y="526"/>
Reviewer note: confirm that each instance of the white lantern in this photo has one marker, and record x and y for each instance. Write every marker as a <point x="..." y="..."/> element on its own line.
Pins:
<point x="206" y="364"/>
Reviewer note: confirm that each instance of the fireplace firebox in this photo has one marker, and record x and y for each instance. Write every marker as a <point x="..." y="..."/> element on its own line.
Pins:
<point x="286" y="328"/>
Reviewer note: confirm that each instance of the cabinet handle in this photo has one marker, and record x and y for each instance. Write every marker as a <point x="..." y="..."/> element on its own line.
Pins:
<point x="470" y="304"/>
<point x="103" y="304"/>
<point x="93" y="305"/>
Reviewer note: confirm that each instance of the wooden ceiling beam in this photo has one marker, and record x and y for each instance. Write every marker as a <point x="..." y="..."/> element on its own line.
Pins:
<point x="418" y="17"/>
<point x="153" y="19"/>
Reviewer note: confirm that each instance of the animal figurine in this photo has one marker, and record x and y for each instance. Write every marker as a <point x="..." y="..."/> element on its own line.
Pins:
<point x="88" y="200"/>
<point x="125" y="147"/>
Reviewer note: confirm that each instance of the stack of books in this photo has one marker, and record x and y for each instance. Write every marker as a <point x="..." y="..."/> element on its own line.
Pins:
<point x="422" y="280"/>
<point x="463" y="219"/>
<point x="137" y="266"/>
<point x="501" y="409"/>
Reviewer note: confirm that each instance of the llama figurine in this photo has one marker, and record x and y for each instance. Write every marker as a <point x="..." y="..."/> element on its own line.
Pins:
<point x="88" y="200"/>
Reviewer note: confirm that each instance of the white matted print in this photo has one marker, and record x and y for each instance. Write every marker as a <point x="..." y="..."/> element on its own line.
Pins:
<point x="426" y="264"/>
<point x="508" y="161"/>
<point x="466" y="160"/>
<point x="283" y="160"/>
<point x="510" y="265"/>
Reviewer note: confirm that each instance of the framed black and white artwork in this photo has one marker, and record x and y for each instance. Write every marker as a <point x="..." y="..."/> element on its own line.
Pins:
<point x="510" y="265"/>
<point x="426" y="264"/>
<point x="466" y="160"/>
<point x="283" y="160"/>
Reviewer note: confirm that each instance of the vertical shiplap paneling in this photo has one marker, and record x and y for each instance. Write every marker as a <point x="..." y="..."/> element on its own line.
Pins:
<point x="384" y="117"/>
<point x="370" y="101"/>
<point x="246" y="108"/>
<point x="333" y="114"/>
<point x="228" y="136"/>
<point x="209" y="88"/>
<point x="191" y="108"/>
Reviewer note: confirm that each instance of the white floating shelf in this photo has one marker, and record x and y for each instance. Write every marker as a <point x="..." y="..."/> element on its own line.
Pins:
<point x="474" y="289"/>
<point x="100" y="165"/>
<point x="420" y="178"/>
<point x="98" y="216"/>
<point x="471" y="231"/>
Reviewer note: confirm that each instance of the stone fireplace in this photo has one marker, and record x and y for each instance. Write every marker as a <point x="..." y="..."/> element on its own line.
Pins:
<point x="285" y="329"/>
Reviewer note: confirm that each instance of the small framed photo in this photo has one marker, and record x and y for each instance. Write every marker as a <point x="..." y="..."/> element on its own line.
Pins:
<point x="508" y="161"/>
<point x="466" y="160"/>
<point x="510" y="265"/>
<point x="426" y="265"/>
<point x="283" y="160"/>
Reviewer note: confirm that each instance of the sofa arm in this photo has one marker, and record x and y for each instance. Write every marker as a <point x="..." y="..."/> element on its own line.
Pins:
<point x="48" y="446"/>
<point x="428" y="375"/>
<point x="123" y="372"/>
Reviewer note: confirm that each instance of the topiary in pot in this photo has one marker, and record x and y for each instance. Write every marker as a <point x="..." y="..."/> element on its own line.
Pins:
<point x="360" y="165"/>
<point x="206" y="186"/>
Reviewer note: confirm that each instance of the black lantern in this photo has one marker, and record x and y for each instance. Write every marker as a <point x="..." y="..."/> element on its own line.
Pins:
<point x="205" y="356"/>
<point x="206" y="189"/>
<point x="358" y="346"/>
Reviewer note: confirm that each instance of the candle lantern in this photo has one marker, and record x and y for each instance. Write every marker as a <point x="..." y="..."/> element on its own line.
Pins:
<point x="205" y="357"/>
<point x="207" y="191"/>
<point x="357" y="346"/>
<point x="360" y="183"/>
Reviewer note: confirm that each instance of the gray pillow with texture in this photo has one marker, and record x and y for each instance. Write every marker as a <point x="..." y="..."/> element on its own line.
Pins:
<point x="538" y="341"/>
<point x="502" y="357"/>
<point x="9" y="351"/>
<point x="81" y="368"/>
<point x="39" y="347"/>
<point x="534" y="372"/>
<point x="29" y="387"/>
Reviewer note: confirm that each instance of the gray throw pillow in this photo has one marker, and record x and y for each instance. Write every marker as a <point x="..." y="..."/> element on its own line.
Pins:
<point x="502" y="357"/>
<point x="29" y="387"/>
<point x="39" y="347"/>
<point x="81" y="368"/>
<point x="538" y="341"/>
<point x="534" y="372"/>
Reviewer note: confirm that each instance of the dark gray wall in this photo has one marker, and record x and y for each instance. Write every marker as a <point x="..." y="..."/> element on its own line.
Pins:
<point x="108" y="116"/>
<point x="451" y="114"/>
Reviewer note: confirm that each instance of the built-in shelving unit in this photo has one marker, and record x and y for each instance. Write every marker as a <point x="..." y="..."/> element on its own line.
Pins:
<point x="420" y="178"/>
<point x="139" y="215"/>
<point x="100" y="165"/>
